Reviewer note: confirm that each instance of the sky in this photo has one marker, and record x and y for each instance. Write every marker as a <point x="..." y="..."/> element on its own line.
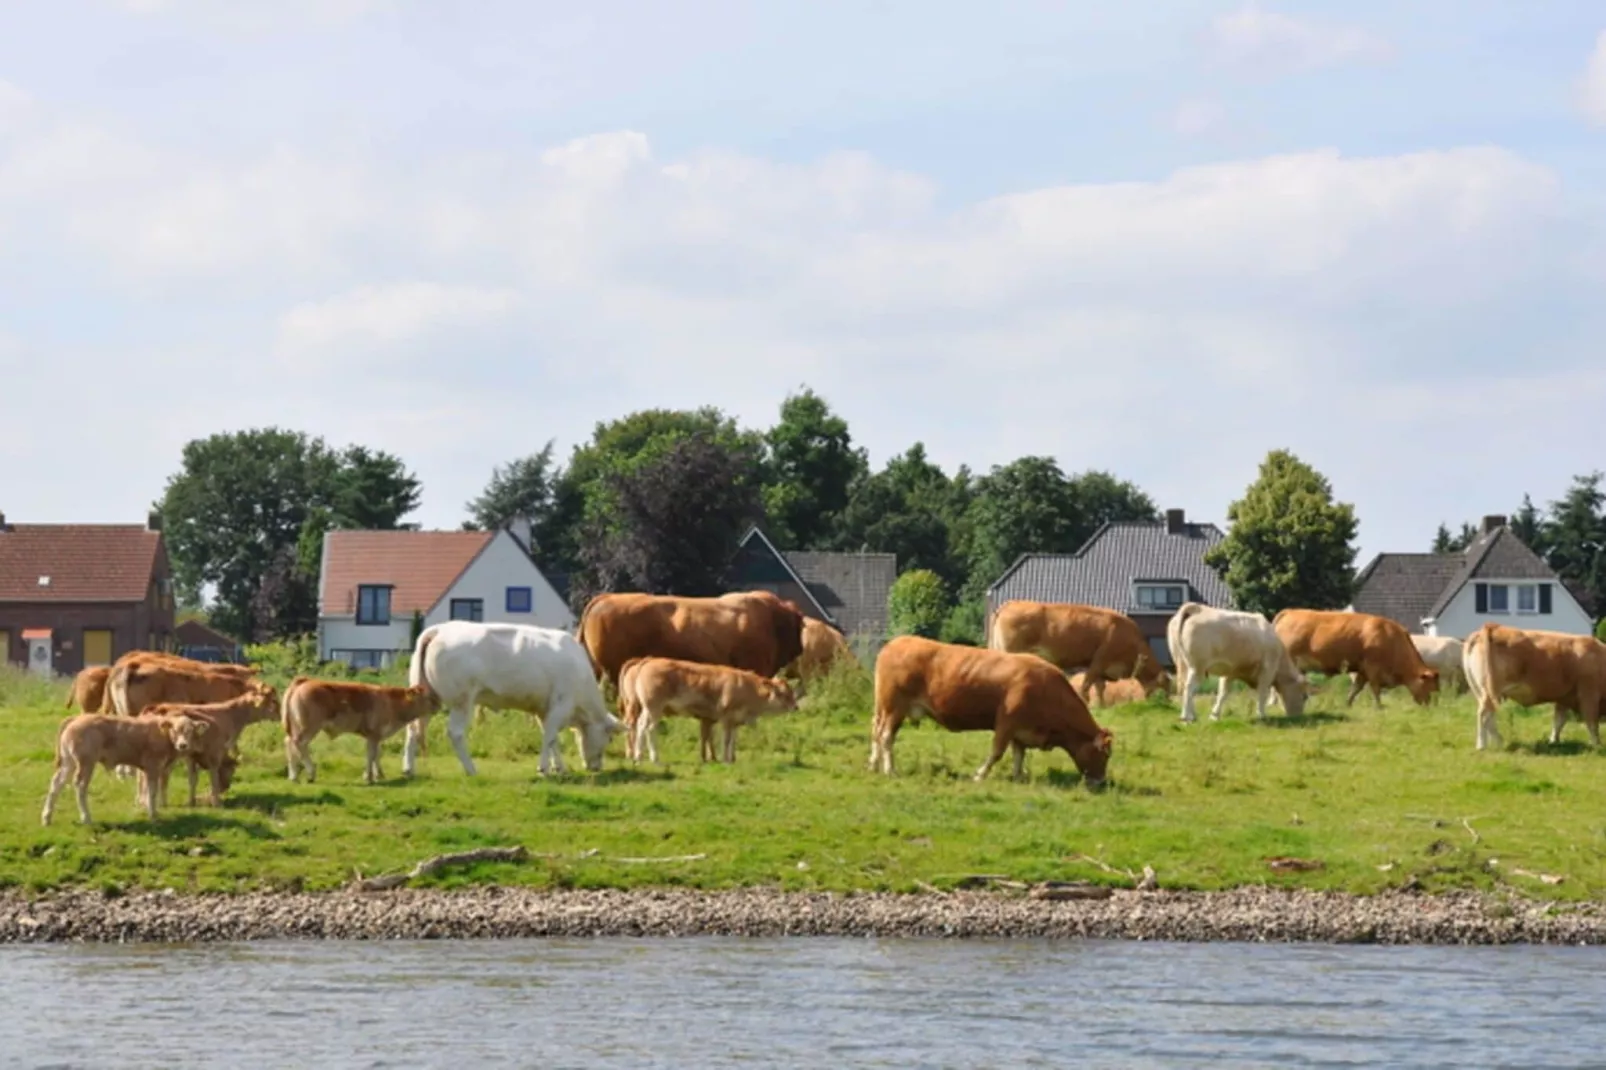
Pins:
<point x="1159" y="239"/>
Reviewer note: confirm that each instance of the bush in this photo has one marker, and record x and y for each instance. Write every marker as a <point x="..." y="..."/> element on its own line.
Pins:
<point x="966" y="624"/>
<point x="917" y="605"/>
<point x="285" y="658"/>
<point x="1600" y="630"/>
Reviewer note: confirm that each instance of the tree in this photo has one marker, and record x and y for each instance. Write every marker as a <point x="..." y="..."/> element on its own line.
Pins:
<point x="1446" y="543"/>
<point x="1529" y="527"/>
<point x="812" y="470"/>
<point x="676" y="520"/>
<point x="1290" y="544"/>
<point x="966" y="623"/>
<point x="917" y="604"/>
<point x="521" y="488"/>
<point x="1574" y="536"/>
<point x="285" y="602"/>
<point x="910" y="508"/>
<point x="240" y="500"/>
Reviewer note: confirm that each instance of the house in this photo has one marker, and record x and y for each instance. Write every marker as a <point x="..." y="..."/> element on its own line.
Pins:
<point x="847" y="590"/>
<point x="73" y="595"/>
<point x="193" y="639"/>
<point x="1496" y="578"/>
<point x="373" y="582"/>
<point x="1145" y="569"/>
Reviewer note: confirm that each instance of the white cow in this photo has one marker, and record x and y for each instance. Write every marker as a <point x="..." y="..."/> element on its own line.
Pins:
<point x="1443" y="653"/>
<point x="517" y="667"/>
<point x="1232" y="646"/>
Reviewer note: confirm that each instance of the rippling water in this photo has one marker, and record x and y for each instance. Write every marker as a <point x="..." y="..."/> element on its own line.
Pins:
<point x="795" y="1003"/>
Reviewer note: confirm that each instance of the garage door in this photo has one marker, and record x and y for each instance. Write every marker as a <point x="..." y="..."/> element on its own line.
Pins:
<point x="97" y="646"/>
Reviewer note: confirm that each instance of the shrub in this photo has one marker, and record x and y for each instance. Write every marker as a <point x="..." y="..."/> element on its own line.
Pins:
<point x="917" y="604"/>
<point x="966" y="623"/>
<point x="1600" y="630"/>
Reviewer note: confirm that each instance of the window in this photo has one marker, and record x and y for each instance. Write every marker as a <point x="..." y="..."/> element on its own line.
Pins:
<point x="468" y="609"/>
<point x="1158" y="596"/>
<point x="373" y="605"/>
<point x="1527" y="598"/>
<point x="518" y="599"/>
<point x="1499" y="598"/>
<point x="363" y="659"/>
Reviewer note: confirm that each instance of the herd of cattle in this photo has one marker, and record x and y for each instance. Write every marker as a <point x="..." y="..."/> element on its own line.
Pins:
<point x="729" y="660"/>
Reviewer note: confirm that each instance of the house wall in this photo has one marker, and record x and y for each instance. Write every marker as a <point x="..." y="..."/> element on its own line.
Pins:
<point x="1153" y="626"/>
<point x="1461" y="618"/>
<point x="134" y="626"/>
<point x="344" y="633"/>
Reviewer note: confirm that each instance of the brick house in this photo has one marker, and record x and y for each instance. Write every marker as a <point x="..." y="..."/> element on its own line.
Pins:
<point x="1145" y="569"/>
<point x="82" y="594"/>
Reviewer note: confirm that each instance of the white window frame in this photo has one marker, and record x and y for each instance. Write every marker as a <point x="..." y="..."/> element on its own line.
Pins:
<point x="1139" y="588"/>
<point x="1505" y="594"/>
<point x="1532" y="591"/>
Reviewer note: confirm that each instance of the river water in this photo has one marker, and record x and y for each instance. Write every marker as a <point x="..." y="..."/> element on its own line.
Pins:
<point x="798" y="1003"/>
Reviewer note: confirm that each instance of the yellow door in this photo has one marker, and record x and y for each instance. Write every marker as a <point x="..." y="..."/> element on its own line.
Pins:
<point x="5" y="647"/>
<point x="97" y="646"/>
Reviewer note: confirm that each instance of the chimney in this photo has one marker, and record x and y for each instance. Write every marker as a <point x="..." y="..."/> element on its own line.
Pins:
<point x="3" y="523"/>
<point x="153" y="521"/>
<point x="1493" y="523"/>
<point x="1175" y="524"/>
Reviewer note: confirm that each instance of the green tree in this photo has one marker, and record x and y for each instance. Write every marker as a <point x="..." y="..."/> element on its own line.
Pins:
<point x="1528" y="526"/>
<point x="521" y="488"/>
<point x="917" y="604"/>
<point x="1574" y="538"/>
<point x="910" y="508"/>
<point x="966" y="623"/>
<point x="1290" y="544"/>
<point x="251" y="502"/>
<point x="812" y="470"/>
<point x="1446" y="543"/>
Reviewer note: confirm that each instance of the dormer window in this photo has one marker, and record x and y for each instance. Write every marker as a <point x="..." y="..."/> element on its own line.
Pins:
<point x="373" y="604"/>
<point x="1160" y="595"/>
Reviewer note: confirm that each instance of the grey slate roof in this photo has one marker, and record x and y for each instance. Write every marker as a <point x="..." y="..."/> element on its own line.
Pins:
<point x="1404" y="587"/>
<point x="1496" y="555"/>
<point x="853" y="588"/>
<point x="1102" y="572"/>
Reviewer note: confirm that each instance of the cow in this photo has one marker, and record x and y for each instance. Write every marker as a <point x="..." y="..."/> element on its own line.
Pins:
<point x="713" y="694"/>
<point x="225" y="722"/>
<point x="1114" y="692"/>
<point x="89" y="689"/>
<point x="1532" y="668"/>
<point x="136" y="684"/>
<point x="1105" y="644"/>
<point x="375" y="713"/>
<point x="1205" y="641"/>
<point x="1022" y="699"/>
<point x="1443" y="654"/>
<point x="752" y="630"/>
<point x="1376" y="649"/>
<point x="823" y="647"/>
<point x="149" y="744"/>
<point x="510" y="666"/>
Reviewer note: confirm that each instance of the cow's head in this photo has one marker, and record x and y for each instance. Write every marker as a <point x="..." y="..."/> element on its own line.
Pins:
<point x="779" y="696"/>
<point x="262" y="698"/>
<point x="595" y="736"/>
<point x="1424" y="686"/>
<point x="1092" y="758"/>
<point x="787" y="620"/>
<point x="1294" y="689"/>
<point x="422" y="702"/>
<point x="185" y="732"/>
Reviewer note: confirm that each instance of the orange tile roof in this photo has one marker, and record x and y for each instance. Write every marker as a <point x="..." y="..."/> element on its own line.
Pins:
<point x="85" y="562"/>
<point x="418" y="565"/>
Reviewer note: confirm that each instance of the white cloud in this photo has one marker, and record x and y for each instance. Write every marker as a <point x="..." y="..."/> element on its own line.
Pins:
<point x="1254" y="39"/>
<point x="255" y="16"/>
<point x="1593" y="90"/>
<point x="1198" y="116"/>
<point x="386" y="316"/>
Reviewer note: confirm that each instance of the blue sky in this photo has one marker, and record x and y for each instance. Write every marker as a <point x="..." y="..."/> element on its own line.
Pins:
<point x="1160" y="239"/>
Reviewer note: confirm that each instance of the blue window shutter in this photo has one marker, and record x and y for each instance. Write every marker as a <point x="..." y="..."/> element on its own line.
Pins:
<point x="1544" y="599"/>
<point x="1481" y="595"/>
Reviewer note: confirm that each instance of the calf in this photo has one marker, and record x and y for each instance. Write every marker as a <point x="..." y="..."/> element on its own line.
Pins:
<point x="89" y="689"/>
<point x="1113" y="693"/>
<point x="1376" y="649"/>
<point x="1020" y="698"/>
<point x="148" y="744"/>
<point x="375" y="713"/>
<point x="225" y="721"/>
<point x="1106" y="644"/>
<point x="713" y="694"/>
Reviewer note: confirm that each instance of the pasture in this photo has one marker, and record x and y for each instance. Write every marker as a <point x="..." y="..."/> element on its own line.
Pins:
<point x="1380" y="799"/>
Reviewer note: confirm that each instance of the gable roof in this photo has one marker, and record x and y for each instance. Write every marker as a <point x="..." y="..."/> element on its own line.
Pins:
<point x="1404" y="587"/>
<point x="1102" y="572"/>
<point x="852" y="586"/>
<point x="418" y="566"/>
<point x="1496" y="554"/>
<point x="85" y="562"/>
<point x="785" y="562"/>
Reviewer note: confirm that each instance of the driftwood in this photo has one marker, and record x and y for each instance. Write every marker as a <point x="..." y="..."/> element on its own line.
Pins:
<point x="1295" y="865"/>
<point x="439" y="862"/>
<point x="662" y="858"/>
<point x="1062" y="890"/>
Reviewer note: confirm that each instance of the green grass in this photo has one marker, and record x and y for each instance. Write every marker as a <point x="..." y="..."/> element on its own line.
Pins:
<point x="1204" y="804"/>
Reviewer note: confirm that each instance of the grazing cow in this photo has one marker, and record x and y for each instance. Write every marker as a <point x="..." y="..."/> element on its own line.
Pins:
<point x="1105" y="644"/>
<point x="713" y="694"/>
<point x="1532" y="668"/>
<point x="752" y="630"/>
<point x="510" y="666"/>
<point x="149" y="744"/>
<point x="375" y="713"/>
<point x="225" y="721"/>
<point x="134" y="685"/>
<point x="1442" y="654"/>
<point x="1376" y="649"/>
<point x="1233" y="646"/>
<point x="1020" y="698"/>
<point x="823" y="647"/>
<point x="89" y="689"/>
<point x="1113" y="693"/>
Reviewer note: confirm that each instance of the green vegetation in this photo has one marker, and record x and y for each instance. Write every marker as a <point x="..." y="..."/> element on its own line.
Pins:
<point x="917" y="604"/>
<point x="1382" y="799"/>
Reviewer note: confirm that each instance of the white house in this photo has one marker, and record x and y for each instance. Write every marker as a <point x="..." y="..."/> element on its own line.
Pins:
<point x="1496" y="578"/>
<point x="372" y="582"/>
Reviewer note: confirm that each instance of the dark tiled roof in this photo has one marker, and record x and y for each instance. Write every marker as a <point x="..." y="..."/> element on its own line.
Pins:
<point x="1102" y="572"/>
<point x="853" y="588"/>
<point x="1496" y="555"/>
<point x="84" y="562"/>
<point x="1404" y="587"/>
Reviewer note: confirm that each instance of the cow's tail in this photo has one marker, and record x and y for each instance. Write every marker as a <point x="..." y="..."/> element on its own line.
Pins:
<point x="115" y="700"/>
<point x="995" y="633"/>
<point x="580" y="635"/>
<point x="284" y="702"/>
<point x="1478" y="666"/>
<point x="416" y="677"/>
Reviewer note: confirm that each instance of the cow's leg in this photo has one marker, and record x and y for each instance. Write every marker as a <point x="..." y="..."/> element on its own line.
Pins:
<point x="1558" y="721"/>
<point x="1488" y="730"/>
<point x="457" y="731"/>
<point x="1190" y="684"/>
<point x="1018" y="774"/>
<point x="1221" y="699"/>
<point x="415" y="737"/>
<point x="195" y="776"/>
<point x="214" y="775"/>
<point x="1001" y="742"/>
<point x="730" y="743"/>
<point x="645" y="723"/>
<point x="1357" y="680"/>
<point x="64" y="772"/>
<point x="84" y="771"/>
<point x="152" y="777"/>
<point x="291" y="761"/>
<point x="557" y="719"/>
<point x="705" y="741"/>
<point x="371" y="773"/>
<point x="883" y="733"/>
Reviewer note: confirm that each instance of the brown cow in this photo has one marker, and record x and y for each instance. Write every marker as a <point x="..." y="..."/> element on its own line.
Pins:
<point x="823" y="647"/>
<point x="1113" y="693"/>
<point x="752" y="630"/>
<point x="1376" y="649"/>
<point x="1020" y="698"/>
<point x="375" y="713"/>
<point x="149" y="744"/>
<point x="1532" y="668"/>
<point x="225" y="721"/>
<point x="1105" y="644"/>
<point x="136" y="684"/>
<point x="654" y="688"/>
<point x="89" y="689"/>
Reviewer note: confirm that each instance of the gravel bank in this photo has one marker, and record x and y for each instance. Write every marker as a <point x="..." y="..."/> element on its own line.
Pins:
<point x="1258" y="915"/>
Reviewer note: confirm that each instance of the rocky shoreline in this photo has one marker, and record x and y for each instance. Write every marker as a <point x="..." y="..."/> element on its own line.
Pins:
<point x="1248" y="914"/>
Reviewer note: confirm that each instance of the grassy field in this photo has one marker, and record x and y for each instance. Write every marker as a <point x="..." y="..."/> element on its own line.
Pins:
<point x="1381" y="799"/>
